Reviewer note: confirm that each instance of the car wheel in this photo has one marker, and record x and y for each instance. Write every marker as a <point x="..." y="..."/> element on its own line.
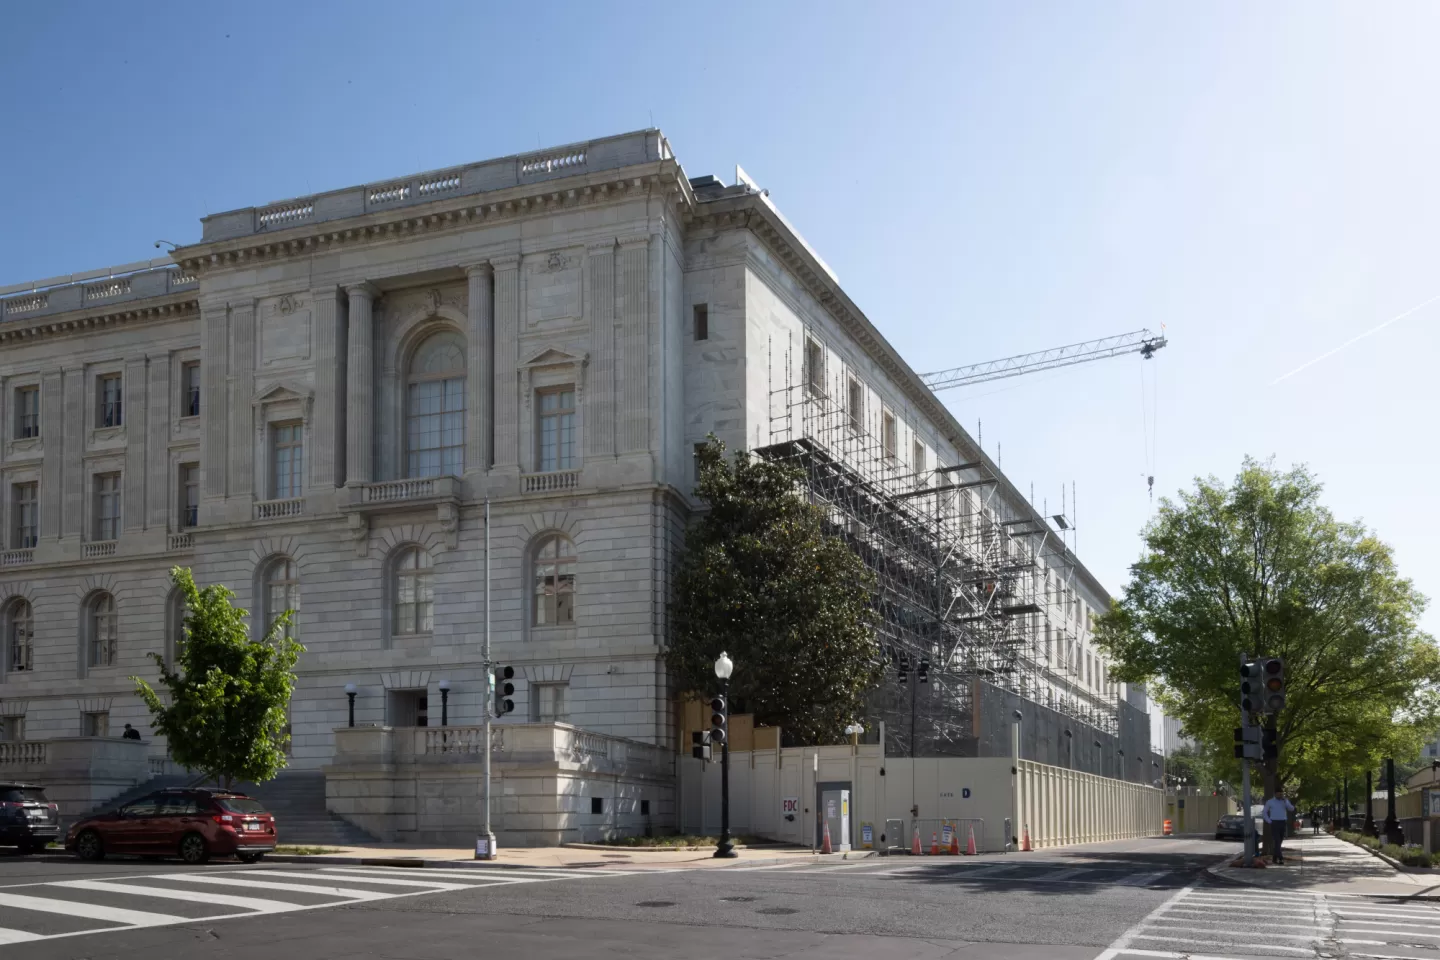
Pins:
<point x="249" y="857"/>
<point x="89" y="846"/>
<point x="194" y="849"/>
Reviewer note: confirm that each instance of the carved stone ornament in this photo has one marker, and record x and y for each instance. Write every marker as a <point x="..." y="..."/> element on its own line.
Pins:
<point x="449" y="516"/>
<point x="557" y="261"/>
<point x="288" y="304"/>
<point x="433" y="299"/>
<point x="360" y="533"/>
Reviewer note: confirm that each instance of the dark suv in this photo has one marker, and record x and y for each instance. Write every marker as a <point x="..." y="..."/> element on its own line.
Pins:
<point x="27" y="819"/>
<point x="190" y="824"/>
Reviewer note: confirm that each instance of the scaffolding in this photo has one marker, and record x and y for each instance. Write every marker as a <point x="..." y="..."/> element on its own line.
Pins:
<point x="968" y="589"/>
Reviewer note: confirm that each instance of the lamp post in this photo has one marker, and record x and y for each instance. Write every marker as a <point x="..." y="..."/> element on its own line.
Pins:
<point x="724" y="666"/>
<point x="1369" y="806"/>
<point x="350" y="692"/>
<point x="1393" y="833"/>
<point x="854" y="731"/>
<point x="444" y="703"/>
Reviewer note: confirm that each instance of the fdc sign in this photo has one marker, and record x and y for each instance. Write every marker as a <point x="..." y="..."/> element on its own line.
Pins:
<point x="790" y="805"/>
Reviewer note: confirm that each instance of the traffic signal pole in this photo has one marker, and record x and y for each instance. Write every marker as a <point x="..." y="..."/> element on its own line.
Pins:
<point x="1249" y="820"/>
<point x="488" y="837"/>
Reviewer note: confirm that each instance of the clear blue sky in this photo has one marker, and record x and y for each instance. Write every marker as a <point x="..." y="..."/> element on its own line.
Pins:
<point x="985" y="178"/>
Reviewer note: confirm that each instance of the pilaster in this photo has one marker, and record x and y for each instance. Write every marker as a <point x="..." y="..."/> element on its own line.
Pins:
<point x="74" y="426"/>
<point x="157" y="451"/>
<point x="213" y="438"/>
<point x="507" y="361"/>
<point x="633" y="347"/>
<point x="136" y="405"/>
<point x="52" y="496"/>
<point x="327" y="436"/>
<point x="479" y="424"/>
<point x="360" y="385"/>
<point x="599" y="417"/>
<point x="241" y="384"/>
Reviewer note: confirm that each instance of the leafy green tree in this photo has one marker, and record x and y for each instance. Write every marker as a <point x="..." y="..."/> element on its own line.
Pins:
<point x="1261" y="567"/>
<point x="1188" y="762"/>
<point x="761" y="580"/>
<point x="227" y="694"/>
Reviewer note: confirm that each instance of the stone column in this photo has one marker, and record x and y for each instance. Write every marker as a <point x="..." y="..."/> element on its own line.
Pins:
<point x="51" y="436"/>
<point x="632" y="371"/>
<point x="479" y="349"/>
<point x="599" y="419"/>
<point x="213" y="454"/>
<point x="134" y="411"/>
<point x="507" y="360"/>
<point x="158" y="482"/>
<point x="327" y="435"/>
<point x="241" y="397"/>
<point x="360" y="386"/>
<point x="76" y="426"/>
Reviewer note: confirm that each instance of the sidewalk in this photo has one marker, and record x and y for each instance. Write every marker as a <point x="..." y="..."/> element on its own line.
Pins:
<point x="553" y="857"/>
<point x="1323" y="864"/>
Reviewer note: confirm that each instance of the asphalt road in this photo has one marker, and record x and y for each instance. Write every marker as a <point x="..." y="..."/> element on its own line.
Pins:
<point x="1126" y="900"/>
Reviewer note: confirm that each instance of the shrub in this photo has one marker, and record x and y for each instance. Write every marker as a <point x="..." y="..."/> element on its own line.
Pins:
<point x="1414" y="857"/>
<point x="1392" y="850"/>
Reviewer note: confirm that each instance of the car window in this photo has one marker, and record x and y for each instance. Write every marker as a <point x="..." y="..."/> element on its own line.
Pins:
<point x="178" y="805"/>
<point x="141" y="808"/>
<point x="22" y="795"/>
<point x="240" y="804"/>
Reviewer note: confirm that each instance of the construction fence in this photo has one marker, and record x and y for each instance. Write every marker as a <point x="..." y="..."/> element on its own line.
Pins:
<point x="779" y="794"/>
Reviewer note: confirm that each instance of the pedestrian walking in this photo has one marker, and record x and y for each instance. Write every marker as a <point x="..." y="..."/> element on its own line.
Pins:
<point x="1315" y="821"/>
<point x="1278" y="811"/>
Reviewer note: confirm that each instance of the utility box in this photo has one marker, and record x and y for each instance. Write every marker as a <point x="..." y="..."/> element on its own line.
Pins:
<point x="835" y="808"/>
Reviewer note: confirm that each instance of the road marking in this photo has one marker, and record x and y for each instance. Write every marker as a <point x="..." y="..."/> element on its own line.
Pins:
<point x="772" y="866"/>
<point x="479" y="874"/>
<point x="350" y="893"/>
<point x="1141" y="879"/>
<point x="193" y="896"/>
<point x="439" y="886"/>
<point x="90" y="911"/>
<point x="1269" y="947"/>
<point x="1121" y="942"/>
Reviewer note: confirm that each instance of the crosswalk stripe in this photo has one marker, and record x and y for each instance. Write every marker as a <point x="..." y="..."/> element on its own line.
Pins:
<point x="350" y="893"/>
<point x="194" y="896"/>
<point x="89" y="911"/>
<point x="768" y="866"/>
<point x="19" y="936"/>
<point x="1219" y="943"/>
<point x="1176" y="955"/>
<point x="1269" y="911"/>
<point x="493" y="876"/>
<point x="438" y="886"/>
<point x="1141" y="879"/>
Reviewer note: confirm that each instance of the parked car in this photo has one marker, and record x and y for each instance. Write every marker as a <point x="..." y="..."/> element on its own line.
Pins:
<point x="191" y="824"/>
<point x="1230" y="827"/>
<point x="27" y="819"/>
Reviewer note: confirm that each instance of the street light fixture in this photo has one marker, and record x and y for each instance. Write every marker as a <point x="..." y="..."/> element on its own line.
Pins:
<point x="724" y="666"/>
<point x="350" y="691"/>
<point x="444" y="703"/>
<point x="854" y="730"/>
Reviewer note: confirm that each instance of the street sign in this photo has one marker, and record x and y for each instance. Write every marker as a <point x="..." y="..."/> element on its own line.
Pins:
<point x="789" y="805"/>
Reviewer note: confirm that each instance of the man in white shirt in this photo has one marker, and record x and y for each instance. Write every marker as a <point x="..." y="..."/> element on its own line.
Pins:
<point x="1278" y="812"/>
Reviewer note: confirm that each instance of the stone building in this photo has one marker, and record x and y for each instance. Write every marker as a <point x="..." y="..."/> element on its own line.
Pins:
<point x="312" y="403"/>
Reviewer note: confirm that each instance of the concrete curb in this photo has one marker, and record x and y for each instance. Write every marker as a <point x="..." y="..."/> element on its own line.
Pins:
<point x="620" y="848"/>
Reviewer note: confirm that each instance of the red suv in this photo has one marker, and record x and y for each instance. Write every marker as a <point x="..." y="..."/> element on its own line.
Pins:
<point x="193" y="824"/>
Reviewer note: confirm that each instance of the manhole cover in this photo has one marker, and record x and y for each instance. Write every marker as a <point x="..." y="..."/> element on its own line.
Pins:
<point x="739" y="899"/>
<point x="656" y="903"/>
<point x="777" y="911"/>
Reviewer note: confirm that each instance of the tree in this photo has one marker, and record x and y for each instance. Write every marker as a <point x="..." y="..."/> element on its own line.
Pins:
<point x="1260" y="567"/>
<point x="761" y="580"/>
<point x="1194" y="767"/>
<point x="228" y="694"/>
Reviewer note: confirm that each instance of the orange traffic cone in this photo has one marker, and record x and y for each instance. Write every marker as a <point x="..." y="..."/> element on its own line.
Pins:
<point x="1025" y="846"/>
<point x="970" y="844"/>
<point x="954" y="841"/>
<point x="915" y="844"/>
<point x="825" y="841"/>
<point x="934" y="845"/>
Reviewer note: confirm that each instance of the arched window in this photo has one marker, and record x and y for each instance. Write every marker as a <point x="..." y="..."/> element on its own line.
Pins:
<point x="435" y="408"/>
<point x="282" y="592"/>
<point x="103" y="630"/>
<point x="19" y="636"/>
<point x="554" y="582"/>
<point x="414" y="594"/>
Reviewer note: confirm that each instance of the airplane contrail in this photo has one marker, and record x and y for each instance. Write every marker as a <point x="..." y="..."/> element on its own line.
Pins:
<point x="1357" y="337"/>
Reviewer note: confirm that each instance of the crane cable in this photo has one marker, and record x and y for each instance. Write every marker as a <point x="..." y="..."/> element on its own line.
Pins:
<point x="1150" y="418"/>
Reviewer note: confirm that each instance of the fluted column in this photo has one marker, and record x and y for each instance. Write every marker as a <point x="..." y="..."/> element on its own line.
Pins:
<point x="360" y="386"/>
<point x="214" y="322"/>
<point x="507" y="361"/>
<point x="52" y="498"/>
<point x="478" y="351"/>
<point x="136" y="404"/>
<point x="327" y="438"/>
<point x="76" y="426"/>
<point x="242" y="394"/>
<point x="599" y="422"/>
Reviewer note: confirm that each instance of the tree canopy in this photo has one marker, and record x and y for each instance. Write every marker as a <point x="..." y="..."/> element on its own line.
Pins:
<point x="228" y="695"/>
<point x="761" y="580"/>
<point x="1261" y="567"/>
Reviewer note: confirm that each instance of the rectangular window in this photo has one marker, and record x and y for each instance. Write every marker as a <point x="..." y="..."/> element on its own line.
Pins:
<point x="557" y="430"/>
<point x="435" y="428"/>
<point x="289" y="455"/>
<point x="12" y="729"/>
<point x="25" y="498"/>
<point x="189" y="494"/>
<point x="190" y="389"/>
<point x="107" y="392"/>
<point x="855" y="402"/>
<point x="814" y="368"/>
<point x="27" y="412"/>
<point x="107" y="506"/>
<point x="549" y="702"/>
<point x="917" y="454"/>
<point x="887" y="434"/>
<point x="597" y="804"/>
<point x="644" y="808"/>
<point x="702" y="321"/>
<point x="96" y="724"/>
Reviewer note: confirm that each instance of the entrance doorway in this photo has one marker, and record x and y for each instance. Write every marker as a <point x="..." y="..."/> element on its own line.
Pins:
<point x="409" y="708"/>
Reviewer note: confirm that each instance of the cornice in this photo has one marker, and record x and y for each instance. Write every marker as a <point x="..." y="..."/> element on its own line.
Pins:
<point x="443" y="216"/>
<point x="19" y="331"/>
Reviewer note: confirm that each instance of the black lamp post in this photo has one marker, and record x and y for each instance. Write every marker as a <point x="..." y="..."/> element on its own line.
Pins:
<point x="724" y="666"/>
<point x="1369" y="806"/>
<point x="1393" y="833"/>
<point x="350" y="692"/>
<point x="444" y="703"/>
<point x="1345" y="815"/>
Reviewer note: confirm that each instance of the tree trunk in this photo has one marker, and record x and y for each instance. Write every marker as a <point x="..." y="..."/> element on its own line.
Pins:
<point x="1270" y="776"/>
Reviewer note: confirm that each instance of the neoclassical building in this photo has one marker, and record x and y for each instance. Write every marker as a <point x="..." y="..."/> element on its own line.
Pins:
<point x="312" y="403"/>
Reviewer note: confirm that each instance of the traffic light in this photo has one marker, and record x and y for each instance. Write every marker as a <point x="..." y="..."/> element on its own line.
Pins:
<point x="1274" y="673"/>
<point x="923" y="672"/>
<point x="1250" y="701"/>
<point x="700" y="745"/>
<point x="719" y="712"/>
<point x="1269" y="747"/>
<point x="503" y="689"/>
<point x="1247" y="742"/>
<point x="902" y="670"/>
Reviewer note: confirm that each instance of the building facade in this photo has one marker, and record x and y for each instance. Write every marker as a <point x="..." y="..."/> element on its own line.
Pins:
<point x="314" y="403"/>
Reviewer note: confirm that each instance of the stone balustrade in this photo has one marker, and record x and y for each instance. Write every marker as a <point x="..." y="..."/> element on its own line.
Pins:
<point x="16" y="558"/>
<point x="78" y="773"/>
<point x="551" y="482"/>
<point x="97" y="549"/>
<point x="93" y="289"/>
<point x="181" y="541"/>
<point x="22" y="753"/>
<point x="279" y="509"/>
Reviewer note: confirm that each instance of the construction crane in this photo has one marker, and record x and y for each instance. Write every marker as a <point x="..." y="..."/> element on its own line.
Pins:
<point x="1142" y="342"/>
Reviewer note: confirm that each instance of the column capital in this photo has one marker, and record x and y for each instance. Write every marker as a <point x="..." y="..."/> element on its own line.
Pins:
<point x="509" y="261"/>
<point x="483" y="268"/>
<point x="601" y="246"/>
<point x="362" y="289"/>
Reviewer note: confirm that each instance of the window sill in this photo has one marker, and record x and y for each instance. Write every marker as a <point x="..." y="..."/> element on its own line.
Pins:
<point x="101" y="434"/>
<point x="560" y="632"/>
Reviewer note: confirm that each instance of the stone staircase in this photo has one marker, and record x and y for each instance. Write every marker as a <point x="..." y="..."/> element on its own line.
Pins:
<point x="297" y="798"/>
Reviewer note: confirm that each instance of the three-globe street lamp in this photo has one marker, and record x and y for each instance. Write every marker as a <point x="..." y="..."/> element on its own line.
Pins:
<point x="724" y="666"/>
